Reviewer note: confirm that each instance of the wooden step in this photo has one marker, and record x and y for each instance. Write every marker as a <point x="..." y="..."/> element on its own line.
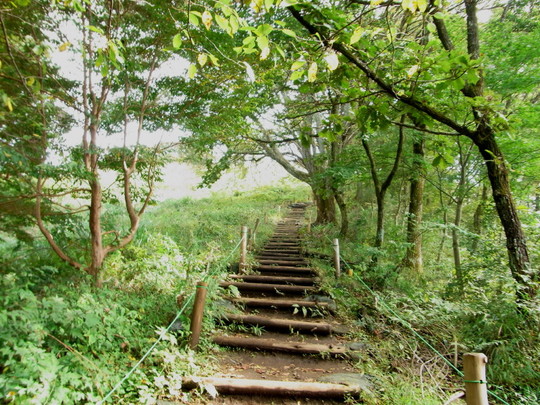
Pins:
<point x="283" y="262"/>
<point x="274" y="259"/>
<point x="279" y="303"/>
<point x="241" y="386"/>
<point x="265" y="268"/>
<point x="270" y="288"/>
<point x="250" y="278"/>
<point x="280" y="346"/>
<point x="285" y="325"/>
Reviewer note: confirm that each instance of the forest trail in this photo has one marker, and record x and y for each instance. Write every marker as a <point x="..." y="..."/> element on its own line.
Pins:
<point x="286" y="345"/>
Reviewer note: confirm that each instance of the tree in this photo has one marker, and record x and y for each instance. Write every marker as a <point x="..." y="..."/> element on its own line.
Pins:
<point x="466" y="76"/>
<point x="118" y="50"/>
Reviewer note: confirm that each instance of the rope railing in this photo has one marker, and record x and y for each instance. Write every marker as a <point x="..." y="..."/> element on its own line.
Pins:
<point x="187" y="302"/>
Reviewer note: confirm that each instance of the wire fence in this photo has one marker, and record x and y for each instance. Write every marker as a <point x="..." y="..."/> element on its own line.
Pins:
<point x="408" y="326"/>
<point x="162" y="335"/>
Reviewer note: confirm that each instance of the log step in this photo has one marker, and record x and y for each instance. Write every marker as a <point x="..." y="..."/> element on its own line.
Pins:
<point x="284" y="269"/>
<point x="283" y="262"/>
<point x="279" y="303"/>
<point x="277" y="346"/>
<point x="242" y="386"/>
<point x="287" y="325"/>
<point x="272" y="288"/>
<point x="274" y="279"/>
<point x="288" y="258"/>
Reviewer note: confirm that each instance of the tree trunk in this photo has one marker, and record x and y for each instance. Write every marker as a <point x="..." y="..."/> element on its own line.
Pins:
<point x="97" y="250"/>
<point x="478" y="218"/>
<point x="343" y="211"/>
<point x="516" y="245"/>
<point x="413" y="257"/>
<point x="379" y="234"/>
<point x="456" y="245"/>
<point x="326" y="208"/>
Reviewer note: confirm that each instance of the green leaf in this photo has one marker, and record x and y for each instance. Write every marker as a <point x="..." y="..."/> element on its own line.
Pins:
<point x="96" y="29"/>
<point x="177" y="41"/>
<point x="233" y="22"/>
<point x="262" y="42"/>
<point x="91" y="320"/>
<point x="223" y="23"/>
<point x="297" y="65"/>
<point x="193" y="19"/>
<point x="422" y="5"/>
<point x="297" y="74"/>
<point x="192" y="71"/>
<point x="289" y="32"/>
<point x="356" y="35"/>
<point x="263" y="30"/>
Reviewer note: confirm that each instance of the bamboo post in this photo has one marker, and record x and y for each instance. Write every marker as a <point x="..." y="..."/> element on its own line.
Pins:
<point x="474" y="368"/>
<point x="243" y="248"/>
<point x="197" y="314"/>
<point x="337" y="264"/>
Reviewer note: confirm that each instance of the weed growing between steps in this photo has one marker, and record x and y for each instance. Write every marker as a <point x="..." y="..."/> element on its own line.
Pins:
<point x="65" y="342"/>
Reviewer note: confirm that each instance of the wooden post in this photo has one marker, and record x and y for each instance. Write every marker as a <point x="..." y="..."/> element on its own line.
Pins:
<point x="337" y="264"/>
<point x="474" y="368"/>
<point x="197" y="314"/>
<point x="309" y="224"/>
<point x="253" y="235"/>
<point x="243" y="248"/>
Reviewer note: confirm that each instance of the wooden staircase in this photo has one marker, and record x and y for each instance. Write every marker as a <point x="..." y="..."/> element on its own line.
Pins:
<point x="296" y="343"/>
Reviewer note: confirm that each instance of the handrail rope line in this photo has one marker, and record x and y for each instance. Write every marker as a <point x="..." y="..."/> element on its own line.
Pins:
<point x="408" y="325"/>
<point x="162" y="335"/>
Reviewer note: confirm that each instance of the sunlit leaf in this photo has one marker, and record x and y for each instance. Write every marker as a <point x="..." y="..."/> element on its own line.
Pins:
<point x="312" y="72"/>
<point x="289" y="32"/>
<point x="193" y="19"/>
<point x="332" y="60"/>
<point x="202" y="58"/>
<point x="422" y="5"/>
<point x="64" y="46"/>
<point x="192" y="71"/>
<point x="262" y="42"/>
<point x="249" y="71"/>
<point x="264" y="53"/>
<point x="297" y="74"/>
<point x="297" y="65"/>
<point x="356" y="35"/>
<point x="413" y="69"/>
<point x="207" y="19"/>
<point x="177" y="41"/>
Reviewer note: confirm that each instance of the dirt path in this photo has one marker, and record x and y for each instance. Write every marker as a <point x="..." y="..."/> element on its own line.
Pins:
<point x="285" y="334"/>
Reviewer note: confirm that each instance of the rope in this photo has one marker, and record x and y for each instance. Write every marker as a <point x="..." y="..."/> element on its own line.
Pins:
<point x="420" y="337"/>
<point x="162" y="335"/>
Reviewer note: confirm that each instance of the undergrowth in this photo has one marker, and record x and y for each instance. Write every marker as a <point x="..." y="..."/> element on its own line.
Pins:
<point x="63" y="341"/>
<point x="484" y="318"/>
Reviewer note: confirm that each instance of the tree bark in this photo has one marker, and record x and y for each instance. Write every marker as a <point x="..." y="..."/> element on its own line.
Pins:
<point x="326" y="208"/>
<point x="478" y="217"/>
<point x="456" y="245"/>
<point x="413" y="257"/>
<point x="516" y="245"/>
<point x="338" y="196"/>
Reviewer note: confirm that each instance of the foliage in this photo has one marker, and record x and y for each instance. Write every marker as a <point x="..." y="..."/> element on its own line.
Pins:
<point x="65" y="342"/>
